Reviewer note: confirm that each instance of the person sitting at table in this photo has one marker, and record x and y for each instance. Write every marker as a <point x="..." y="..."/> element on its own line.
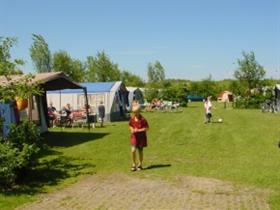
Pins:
<point x="67" y="109"/>
<point x="52" y="114"/>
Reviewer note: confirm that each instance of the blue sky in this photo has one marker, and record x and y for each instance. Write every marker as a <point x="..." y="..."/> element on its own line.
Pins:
<point x="191" y="38"/>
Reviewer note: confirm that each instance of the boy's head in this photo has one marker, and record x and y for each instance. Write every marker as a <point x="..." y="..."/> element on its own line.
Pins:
<point x="136" y="108"/>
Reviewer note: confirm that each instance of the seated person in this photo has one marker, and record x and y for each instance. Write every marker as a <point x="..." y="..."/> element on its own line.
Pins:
<point x="52" y="114"/>
<point x="68" y="111"/>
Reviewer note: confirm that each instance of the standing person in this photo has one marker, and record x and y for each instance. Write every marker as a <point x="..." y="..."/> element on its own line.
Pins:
<point x="138" y="138"/>
<point x="101" y="113"/>
<point x="208" y="109"/>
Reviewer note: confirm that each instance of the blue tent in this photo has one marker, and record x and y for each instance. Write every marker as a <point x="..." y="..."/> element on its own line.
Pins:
<point x="112" y="94"/>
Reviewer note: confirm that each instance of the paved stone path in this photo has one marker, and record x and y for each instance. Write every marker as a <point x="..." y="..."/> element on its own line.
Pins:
<point x="118" y="191"/>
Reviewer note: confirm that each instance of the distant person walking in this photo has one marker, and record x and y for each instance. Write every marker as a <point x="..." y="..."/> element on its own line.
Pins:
<point x="138" y="126"/>
<point x="208" y="109"/>
<point x="101" y="113"/>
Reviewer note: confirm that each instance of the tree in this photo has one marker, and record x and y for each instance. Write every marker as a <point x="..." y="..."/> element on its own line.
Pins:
<point x="19" y="149"/>
<point x="78" y="70"/>
<point x="91" y="69"/>
<point x="151" y="93"/>
<point x="250" y="72"/>
<point x="23" y="88"/>
<point x="7" y="65"/>
<point x="40" y="54"/>
<point x="237" y="88"/>
<point x="130" y="79"/>
<point x="156" y="72"/>
<point x="175" y="92"/>
<point x="74" y="68"/>
<point x="206" y="87"/>
<point x="102" y="69"/>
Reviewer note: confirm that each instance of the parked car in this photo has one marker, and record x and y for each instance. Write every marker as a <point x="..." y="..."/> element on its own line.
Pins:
<point x="191" y="98"/>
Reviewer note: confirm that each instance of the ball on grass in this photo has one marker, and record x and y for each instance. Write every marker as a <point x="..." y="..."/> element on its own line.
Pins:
<point x="220" y="120"/>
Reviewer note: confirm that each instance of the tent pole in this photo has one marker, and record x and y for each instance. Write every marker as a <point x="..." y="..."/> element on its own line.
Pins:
<point x="30" y="101"/>
<point x="59" y="100"/>
<point x="85" y="92"/>
<point x="60" y="109"/>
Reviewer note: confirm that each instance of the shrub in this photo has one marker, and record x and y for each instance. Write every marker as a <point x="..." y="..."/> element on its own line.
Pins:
<point x="8" y="164"/>
<point x="18" y="152"/>
<point x="184" y="104"/>
<point x="25" y="133"/>
<point x="151" y="93"/>
<point x="250" y="102"/>
<point x="27" y="157"/>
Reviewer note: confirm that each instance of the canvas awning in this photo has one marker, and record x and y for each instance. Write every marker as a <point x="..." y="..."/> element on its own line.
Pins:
<point x="48" y="81"/>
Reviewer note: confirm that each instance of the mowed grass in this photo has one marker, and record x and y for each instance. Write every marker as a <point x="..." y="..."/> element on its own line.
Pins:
<point x="243" y="149"/>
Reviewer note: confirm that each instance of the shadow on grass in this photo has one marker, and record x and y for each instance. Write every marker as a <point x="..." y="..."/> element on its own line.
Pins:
<point x="47" y="173"/>
<point x="216" y="122"/>
<point x="157" y="166"/>
<point x="68" y="139"/>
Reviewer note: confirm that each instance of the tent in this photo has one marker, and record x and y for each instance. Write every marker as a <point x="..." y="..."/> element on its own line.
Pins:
<point x="37" y="105"/>
<point x="135" y="93"/>
<point x="114" y="96"/>
<point x="225" y="96"/>
<point x="277" y="92"/>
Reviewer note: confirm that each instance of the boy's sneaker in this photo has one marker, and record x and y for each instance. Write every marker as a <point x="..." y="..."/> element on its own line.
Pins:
<point x="139" y="168"/>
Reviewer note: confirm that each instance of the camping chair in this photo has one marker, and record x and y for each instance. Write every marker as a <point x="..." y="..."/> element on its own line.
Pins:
<point x="78" y="119"/>
<point x="92" y="119"/>
<point x="63" y="121"/>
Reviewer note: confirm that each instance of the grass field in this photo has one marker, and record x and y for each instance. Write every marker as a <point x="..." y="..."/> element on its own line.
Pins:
<point x="243" y="149"/>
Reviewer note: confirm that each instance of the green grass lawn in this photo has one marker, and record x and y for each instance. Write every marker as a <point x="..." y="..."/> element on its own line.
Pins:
<point x="243" y="149"/>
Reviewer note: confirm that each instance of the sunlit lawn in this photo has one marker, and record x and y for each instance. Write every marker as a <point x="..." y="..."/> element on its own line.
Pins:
<point x="243" y="149"/>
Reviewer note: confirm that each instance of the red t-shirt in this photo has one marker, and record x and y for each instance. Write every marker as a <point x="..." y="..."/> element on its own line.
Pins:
<point x="138" y="139"/>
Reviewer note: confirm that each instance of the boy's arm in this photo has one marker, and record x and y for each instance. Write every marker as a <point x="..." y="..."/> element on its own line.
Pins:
<point x="135" y="130"/>
<point x="145" y="127"/>
<point x="132" y="130"/>
<point x="142" y="129"/>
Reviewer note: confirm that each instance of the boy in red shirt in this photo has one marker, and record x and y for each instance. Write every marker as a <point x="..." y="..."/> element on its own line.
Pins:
<point x="138" y="138"/>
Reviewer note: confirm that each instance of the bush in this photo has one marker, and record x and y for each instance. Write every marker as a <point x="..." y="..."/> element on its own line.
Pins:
<point x="25" y="133"/>
<point x="18" y="152"/>
<point x="8" y="164"/>
<point x="151" y="93"/>
<point x="184" y="104"/>
<point x="249" y="102"/>
<point x="27" y="157"/>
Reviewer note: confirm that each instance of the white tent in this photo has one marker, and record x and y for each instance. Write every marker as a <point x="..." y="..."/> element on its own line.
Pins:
<point x="225" y="96"/>
<point x="114" y="96"/>
<point x="135" y="93"/>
